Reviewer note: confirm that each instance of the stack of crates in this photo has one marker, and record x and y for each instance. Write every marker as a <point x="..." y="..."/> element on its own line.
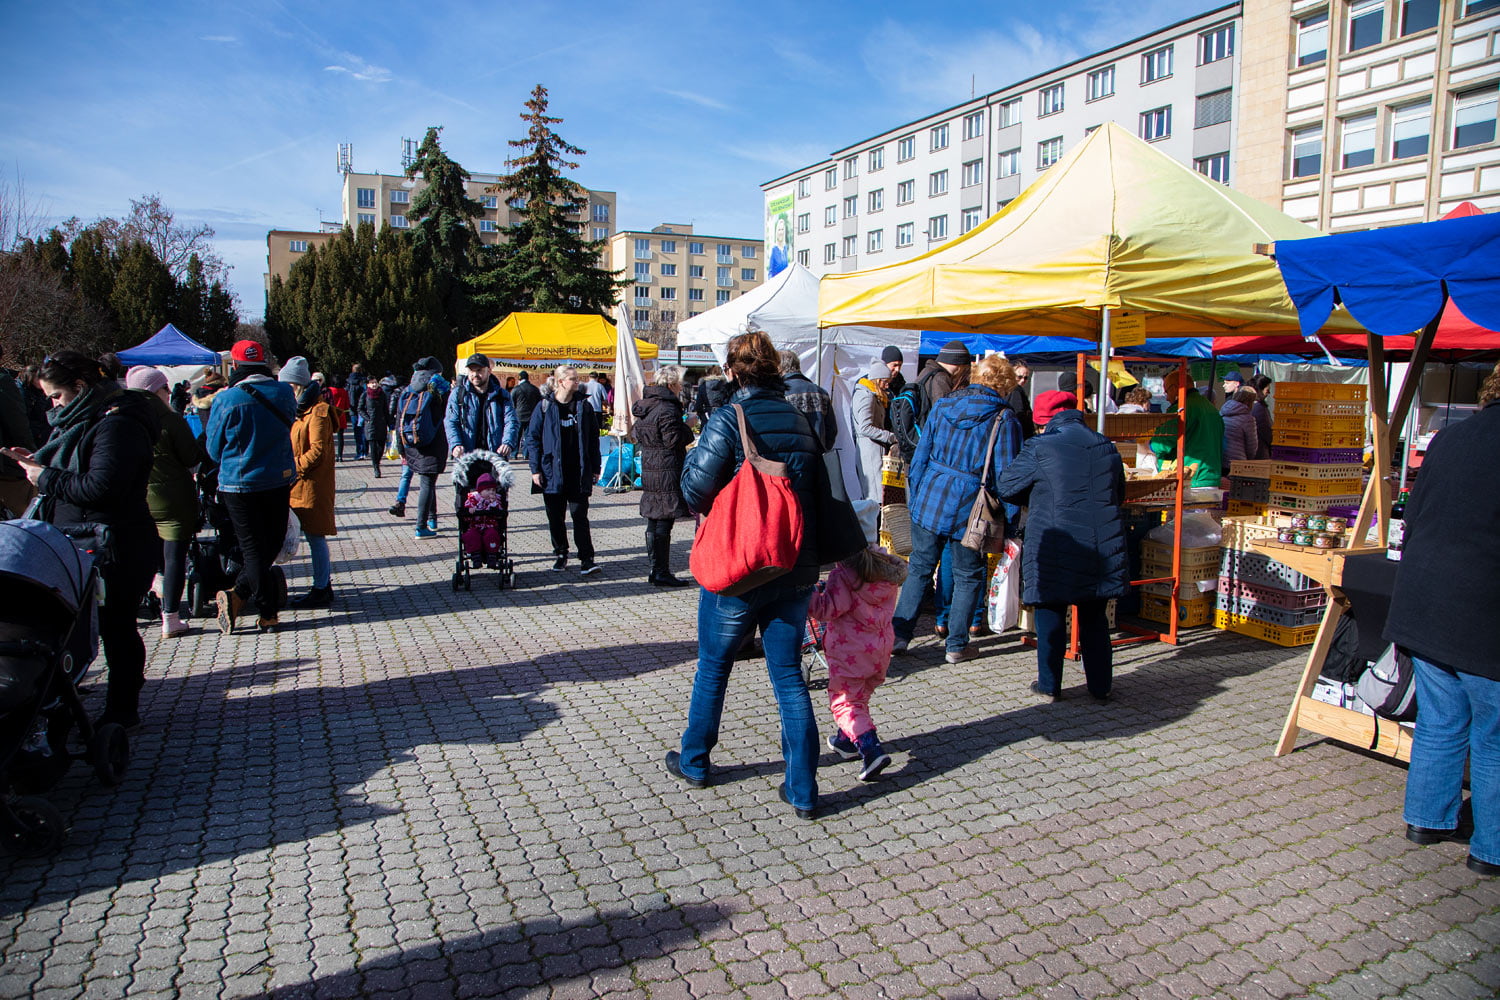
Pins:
<point x="1266" y="599"/>
<point x="1317" y="448"/>
<point x="1249" y="489"/>
<point x="1193" y="606"/>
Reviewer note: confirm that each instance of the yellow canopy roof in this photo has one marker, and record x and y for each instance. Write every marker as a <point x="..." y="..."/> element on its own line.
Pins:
<point x="556" y="338"/>
<point x="1114" y="223"/>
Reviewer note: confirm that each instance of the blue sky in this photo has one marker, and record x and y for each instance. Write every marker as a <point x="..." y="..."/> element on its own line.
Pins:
<point x="233" y="112"/>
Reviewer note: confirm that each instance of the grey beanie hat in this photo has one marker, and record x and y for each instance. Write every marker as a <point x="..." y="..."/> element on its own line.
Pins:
<point x="295" y="371"/>
<point x="955" y="352"/>
<point x="878" y="370"/>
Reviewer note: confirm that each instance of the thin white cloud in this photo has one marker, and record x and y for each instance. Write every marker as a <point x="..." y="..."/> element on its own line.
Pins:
<point x="359" y="69"/>
<point x="942" y="71"/>
<point x="781" y="158"/>
<point x="226" y="39"/>
<point x="702" y="100"/>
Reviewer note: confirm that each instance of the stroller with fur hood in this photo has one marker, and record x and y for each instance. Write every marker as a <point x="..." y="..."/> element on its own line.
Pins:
<point x="48" y="639"/>
<point x="467" y="470"/>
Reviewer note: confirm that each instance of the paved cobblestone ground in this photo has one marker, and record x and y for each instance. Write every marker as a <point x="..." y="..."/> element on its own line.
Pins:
<point x="430" y="794"/>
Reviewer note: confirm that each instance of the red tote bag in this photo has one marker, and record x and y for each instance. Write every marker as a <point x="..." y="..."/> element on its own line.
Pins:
<point x="753" y="534"/>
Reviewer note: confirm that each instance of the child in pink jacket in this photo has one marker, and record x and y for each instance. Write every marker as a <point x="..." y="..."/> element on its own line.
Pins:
<point x="857" y="604"/>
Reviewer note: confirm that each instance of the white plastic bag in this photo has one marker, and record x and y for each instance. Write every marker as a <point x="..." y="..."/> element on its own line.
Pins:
<point x="292" y="542"/>
<point x="1004" y="604"/>
<point x="1198" y="530"/>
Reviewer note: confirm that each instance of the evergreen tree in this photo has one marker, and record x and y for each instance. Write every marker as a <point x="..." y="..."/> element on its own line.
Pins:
<point x="546" y="265"/>
<point x="142" y="295"/>
<point x="443" y="231"/>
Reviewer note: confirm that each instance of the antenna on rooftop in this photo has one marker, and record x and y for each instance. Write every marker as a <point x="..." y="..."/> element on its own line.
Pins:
<point x="408" y="153"/>
<point x="346" y="157"/>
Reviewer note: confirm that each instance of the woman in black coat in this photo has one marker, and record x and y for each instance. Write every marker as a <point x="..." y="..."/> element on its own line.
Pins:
<point x="663" y="439"/>
<point x="94" y="470"/>
<point x="374" y="414"/>
<point x="562" y="445"/>
<point x="1074" y="549"/>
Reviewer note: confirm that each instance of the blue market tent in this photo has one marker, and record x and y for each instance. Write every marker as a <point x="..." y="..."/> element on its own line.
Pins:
<point x="1061" y="350"/>
<point x="169" y="346"/>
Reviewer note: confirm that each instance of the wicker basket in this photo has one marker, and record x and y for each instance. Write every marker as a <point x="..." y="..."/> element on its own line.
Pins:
<point x="895" y="522"/>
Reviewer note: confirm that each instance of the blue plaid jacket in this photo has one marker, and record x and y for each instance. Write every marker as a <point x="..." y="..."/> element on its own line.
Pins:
<point x="944" y="476"/>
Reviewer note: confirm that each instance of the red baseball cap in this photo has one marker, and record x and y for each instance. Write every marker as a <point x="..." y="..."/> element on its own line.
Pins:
<point x="248" y="351"/>
<point x="1050" y="404"/>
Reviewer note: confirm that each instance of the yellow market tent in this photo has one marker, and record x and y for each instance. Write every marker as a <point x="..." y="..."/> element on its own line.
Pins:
<point x="552" y="338"/>
<point x="1115" y="224"/>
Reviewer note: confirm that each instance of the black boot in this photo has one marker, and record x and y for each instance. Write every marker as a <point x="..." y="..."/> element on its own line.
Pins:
<point x="654" y="567"/>
<point x="317" y="597"/>
<point x="661" y="554"/>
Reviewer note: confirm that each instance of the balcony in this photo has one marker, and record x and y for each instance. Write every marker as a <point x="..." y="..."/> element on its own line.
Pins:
<point x="726" y="260"/>
<point x="643" y="279"/>
<point x="642" y="254"/>
<point x="639" y="303"/>
<point x="726" y="282"/>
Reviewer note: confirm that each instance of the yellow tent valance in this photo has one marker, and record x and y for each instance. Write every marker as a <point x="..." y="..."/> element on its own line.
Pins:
<point x="550" y="338"/>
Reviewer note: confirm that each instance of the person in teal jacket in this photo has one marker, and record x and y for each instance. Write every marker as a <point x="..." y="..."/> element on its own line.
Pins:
<point x="1204" y="442"/>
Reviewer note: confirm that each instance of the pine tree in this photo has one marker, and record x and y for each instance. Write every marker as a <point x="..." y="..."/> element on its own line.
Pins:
<point x="443" y="230"/>
<point x="546" y="265"/>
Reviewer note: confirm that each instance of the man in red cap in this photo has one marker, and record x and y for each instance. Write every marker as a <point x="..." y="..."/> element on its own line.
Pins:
<point x="249" y="435"/>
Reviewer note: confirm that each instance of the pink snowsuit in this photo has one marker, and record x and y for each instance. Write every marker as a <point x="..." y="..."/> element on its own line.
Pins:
<point x="857" y="643"/>
<point x="482" y="537"/>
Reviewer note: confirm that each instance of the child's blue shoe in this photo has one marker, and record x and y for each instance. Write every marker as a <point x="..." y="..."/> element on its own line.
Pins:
<point x="875" y="758"/>
<point x="422" y="532"/>
<point x="843" y="745"/>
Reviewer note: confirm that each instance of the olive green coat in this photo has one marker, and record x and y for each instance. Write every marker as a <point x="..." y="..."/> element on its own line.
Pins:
<point x="170" y="492"/>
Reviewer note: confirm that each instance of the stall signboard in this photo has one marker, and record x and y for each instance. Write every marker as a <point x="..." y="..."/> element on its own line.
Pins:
<point x="1127" y="329"/>
<point x="779" y="240"/>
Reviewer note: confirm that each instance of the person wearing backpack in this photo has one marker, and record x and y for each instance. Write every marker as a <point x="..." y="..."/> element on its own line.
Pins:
<point x="910" y="405"/>
<point x="419" y="430"/>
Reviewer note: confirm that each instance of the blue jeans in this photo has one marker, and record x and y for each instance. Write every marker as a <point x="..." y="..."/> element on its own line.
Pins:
<point x="723" y="623"/>
<point x="403" y="487"/>
<point x="944" y="596"/>
<point x="1458" y="718"/>
<point x="968" y="581"/>
<point x="1093" y="643"/>
<point x="322" y="564"/>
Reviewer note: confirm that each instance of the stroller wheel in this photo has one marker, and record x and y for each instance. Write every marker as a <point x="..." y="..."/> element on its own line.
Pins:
<point x="31" y="827"/>
<point x="109" y="753"/>
<point x="458" y="582"/>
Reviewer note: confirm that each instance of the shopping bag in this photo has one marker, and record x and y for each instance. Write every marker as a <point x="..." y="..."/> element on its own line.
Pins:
<point x="291" y="542"/>
<point x="391" y="452"/>
<point x="1004" y="605"/>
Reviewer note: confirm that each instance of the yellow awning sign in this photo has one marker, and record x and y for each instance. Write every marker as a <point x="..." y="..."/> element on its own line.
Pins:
<point x="1127" y="329"/>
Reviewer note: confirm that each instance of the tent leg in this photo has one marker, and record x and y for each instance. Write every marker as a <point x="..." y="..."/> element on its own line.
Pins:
<point x="818" y="360"/>
<point x="1104" y="347"/>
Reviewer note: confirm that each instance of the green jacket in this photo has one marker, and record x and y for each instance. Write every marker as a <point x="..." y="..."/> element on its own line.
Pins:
<point x="1204" y="442"/>
<point x="170" y="492"/>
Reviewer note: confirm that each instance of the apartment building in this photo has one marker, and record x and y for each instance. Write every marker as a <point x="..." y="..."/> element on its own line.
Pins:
<point x="1364" y="113"/>
<point x="678" y="273"/>
<point x="905" y="191"/>
<point x="285" y="246"/>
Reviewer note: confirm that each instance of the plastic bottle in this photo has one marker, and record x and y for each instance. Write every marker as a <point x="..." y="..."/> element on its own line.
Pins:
<point x="1395" y="536"/>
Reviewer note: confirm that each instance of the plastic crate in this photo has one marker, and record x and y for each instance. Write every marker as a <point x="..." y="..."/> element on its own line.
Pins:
<point x="1136" y="425"/>
<point x="1261" y="570"/>
<point x="1241" y="488"/>
<point x="1329" y="391"/>
<point x="1298" y="504"/>
<point x="1318" y="422"/>
<point x="1245" y="607"/>
<point x="1291" y="600"/>
<point x="1317" y="456"/>
<point x="1259" y="468"/>
<point x="1279" y="634"/>
<point x="1319" y="439"/>
<point x="1312" y="470"/>
<point x="1197" y="563"/>
<point x="1239" y="532"/>
<point x="1315" y="487"/>
<point x="1321" y="408"/>
<point x="1190" y="612"/>
<point x="1246" y="508"/>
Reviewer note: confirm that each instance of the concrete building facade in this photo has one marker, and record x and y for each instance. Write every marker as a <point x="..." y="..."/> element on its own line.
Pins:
<point x="284" y="247"/>
<point x="678" y="273"/>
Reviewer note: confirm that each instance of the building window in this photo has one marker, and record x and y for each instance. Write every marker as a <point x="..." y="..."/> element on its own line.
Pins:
<point x="364" y="197"/>
<point x="830" y="178"/>
<point x="1307" y="151"/>
<point x="875" y="241"/>
<point x="1156" y="123"/>
<point x="1366" y="24"/>
<point x="1009" y="113"/>
<point x="974" y="125"/>
<point x="489" y="201"/>
<point x="1357" y="147"/>
<point x="1215" y="44"/>
<point x="642" y="295"/>
<point x="877" y="200"/>
<point x="1101" y="83"/>
<point x="1048" y="152"/>
<point x="1010" y="162"/>
<point x="1000" y="205"/>
<point x="642" y="271"/>
<point x="851" y="206"/>
<point x="804" y="222"/>
<point x="747" y="274"/>
<point x="973" y="173"/>
<point x="518" y="203"/>
<point x="641" y="316"/>
<point x="722" y="278"/>
<point x="668" y="294"/>
<point x="877" y="159"/>
<point x="695" y="295"/>
<point x="695" y="270"/>
<point x="399" y="222"/>
<point x="643" y="249"/>
<point x="1050" y="100"/>
<point x="669" y="270"/>
<point x="363" y="219"/>
<point x="804" y="257"/>
<point x="937" y="183"/>
<point x="851" y="246"/>
<point x="830" y="215"/>
<point x="725" y="252"/>
<point x="721" y="297"/>
<point x="1312" y="39"/>
<point x="937" y="228"/>
<point x="1479" y="6"/>
<point x="1156" y="64"/>
<point x="906" y="192"/>
<point x="971" y="217"/>
<point x="403" y="197"/>
<point x="669" y="315"/>
<point x="668" y="246"/>
<point x="296" y="246"/>
<point x="1474" y="117"/>
<point x="804" y="187"/>
<point x="748" y="251"/>
<point x="695" y="247"/>
<point x="601" y="233"/>
<point x="851" y="167"/>
<point x="906" y="149"/>
<point x="1418" y="15"/>
<point x="1215" y="167"/>
<point x="1213" y="109"/>
<point x="601" y="212"/>
<point x="1411" y="128"/>
<point x="830" y="252"/>
<point x="905" y="234"/>
<point x="939" y="138"/>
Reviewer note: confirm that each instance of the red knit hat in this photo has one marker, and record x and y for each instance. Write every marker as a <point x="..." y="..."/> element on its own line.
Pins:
<point x="1050" y="404"/>
<point x="248" y="352"/>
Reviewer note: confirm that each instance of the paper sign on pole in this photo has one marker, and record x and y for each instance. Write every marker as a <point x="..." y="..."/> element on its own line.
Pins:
<point x="1127" y="329"/>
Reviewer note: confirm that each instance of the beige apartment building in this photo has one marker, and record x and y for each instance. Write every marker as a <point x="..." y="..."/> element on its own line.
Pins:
<point x="284" y="247"/>
<point x="678" y="273"/>
<point x="1356" y="114"/>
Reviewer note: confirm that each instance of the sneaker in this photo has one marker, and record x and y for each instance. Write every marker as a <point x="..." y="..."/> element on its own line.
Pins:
<point x="398" y="509"/>
<point x="432" y="524"/>
<point x="172" y="625"/>
<point x="875" y="757"/>
<point x="129" y="721"/>
<point x="589" y="569"/>
<point x="1037" y="689"/>
<point x="674" y="768"/>
<point x="267" y="624"/>
<point x="843" y="745"/>
<point x="317" y="597"/>
<point x="960" y="655"/>
<point x="422" y="532"/>
<point x="559" y="562"/>
<point x="230" y="604"/>
<point x="898" y="647"/>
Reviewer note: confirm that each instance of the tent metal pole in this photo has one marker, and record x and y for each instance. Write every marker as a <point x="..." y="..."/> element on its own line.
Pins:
<point x="818" y="361"/>
<point x="1104" y="346"/>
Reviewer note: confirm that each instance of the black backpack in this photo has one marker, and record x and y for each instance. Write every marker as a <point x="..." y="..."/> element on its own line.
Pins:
<point x="908" y="412"/>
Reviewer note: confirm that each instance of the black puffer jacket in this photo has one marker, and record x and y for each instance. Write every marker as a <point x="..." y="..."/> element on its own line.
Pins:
<point x="663" y="439"/>
<point x="1074" y="481"/>
<point x="781" y="434"/>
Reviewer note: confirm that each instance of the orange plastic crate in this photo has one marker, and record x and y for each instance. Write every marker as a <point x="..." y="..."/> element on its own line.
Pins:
<point x="1316" y="487"/>
<point x="1192" y="612"/>
<point x="1326" y="391"/>
<point x="1315" y="422"/>
<point x="1321" y="407"/>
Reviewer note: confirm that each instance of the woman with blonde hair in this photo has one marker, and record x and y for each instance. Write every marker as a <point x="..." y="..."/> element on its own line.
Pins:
<point x="663" y="438"/>
<point x="562" y="444"/>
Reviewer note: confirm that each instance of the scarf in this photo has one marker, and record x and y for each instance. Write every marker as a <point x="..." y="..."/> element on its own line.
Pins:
<point x="880" y="394"/>
<point x="309" y="396"/>
<point x="70" y="423"/>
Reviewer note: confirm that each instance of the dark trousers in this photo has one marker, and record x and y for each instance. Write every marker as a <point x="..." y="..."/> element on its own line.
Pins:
<point x="1093" y="643"/>
<point x="659" y="546"/>
<point x="173" y="574"/>
<point x="359" y="441"/>
<point x="376" y="455"/>
<point x="125" y="583"/>
<point x="340" y="435"/>
<point x="426" y="499"/>
<point x="259" y="521"/>
<point x="559" y="508"/>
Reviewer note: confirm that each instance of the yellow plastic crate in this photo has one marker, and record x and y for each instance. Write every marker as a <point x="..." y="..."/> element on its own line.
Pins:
<point x="1298" y="504"/>
<point x="1316" y="422"/>
<point x="1321" y="407"/>
<point x="1318" y="439"/>
<point x="1316" y="487"/>
<point x="1190" y="613"/>
<point x="1247" y="508"/>
<point x="1256" y="629"/>
<point x="1201" y="560"/>
<point x="1327" y="391"/>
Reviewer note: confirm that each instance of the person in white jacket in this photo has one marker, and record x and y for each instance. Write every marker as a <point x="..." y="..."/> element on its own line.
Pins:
<point x="871" y="397"/>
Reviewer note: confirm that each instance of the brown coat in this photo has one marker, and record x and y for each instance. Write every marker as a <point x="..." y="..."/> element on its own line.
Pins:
<point x="312" y="494"/>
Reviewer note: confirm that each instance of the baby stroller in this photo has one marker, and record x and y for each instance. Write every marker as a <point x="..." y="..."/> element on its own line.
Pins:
<point x="466" y="472"/>
<point x="214" y="557"/>
<point x="48" y="639"/>
<point x="812" y="648"/>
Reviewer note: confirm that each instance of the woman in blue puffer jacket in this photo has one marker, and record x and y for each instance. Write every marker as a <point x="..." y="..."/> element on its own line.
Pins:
<point x="778" y="607"/>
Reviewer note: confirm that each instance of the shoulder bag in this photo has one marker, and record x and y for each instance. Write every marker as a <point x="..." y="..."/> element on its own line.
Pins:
<point x="986" y="528"/>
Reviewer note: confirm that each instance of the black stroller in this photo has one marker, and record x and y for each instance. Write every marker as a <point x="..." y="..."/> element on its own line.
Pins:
<point x="214" y="557"/>
<point x="48" y="639"/>
<point x="466" y="472"/>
